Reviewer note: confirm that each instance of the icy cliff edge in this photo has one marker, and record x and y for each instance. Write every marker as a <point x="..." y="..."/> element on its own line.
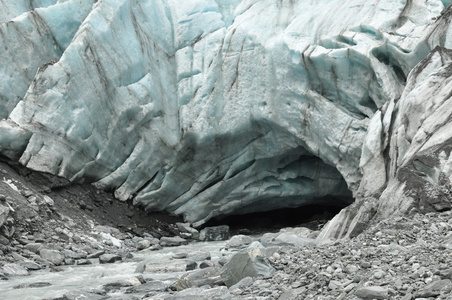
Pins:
<point x="207" y="108"/>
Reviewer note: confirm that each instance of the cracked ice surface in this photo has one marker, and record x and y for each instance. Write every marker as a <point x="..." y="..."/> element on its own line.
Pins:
<point x="206" y="108"/>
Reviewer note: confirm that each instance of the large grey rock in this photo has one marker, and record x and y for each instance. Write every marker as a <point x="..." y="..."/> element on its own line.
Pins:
<point x="4" y="212"/>
<point x="186" y="228"/>
<point x="433" y="289"/>
<point x="143" y="244"/>
<point x="207" y="276"/>
<point x="109" y="258"/>
<point x="30" y="265"/>
<point x="53" y="256"/>
<point x="243" y="283"/>
<point x="216" y="233"/>
<point x="350" y="221"/>
<point x="163" y="267"/>
<point x="77" y="295"/>
<point x="372" y="292"/>
<point x="73" y="254"/>
<point x="129" y="282"/>
<point x="248" y="262"/>
<point x="239" y="241"/>
<point x="150" y="286"/>
<point x="34" y="247"/>
<point x="199" y="255"/>
<point x="11" y="269"/>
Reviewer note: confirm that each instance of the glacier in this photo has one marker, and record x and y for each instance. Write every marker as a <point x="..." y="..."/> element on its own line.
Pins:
<point x="208" y="107"/>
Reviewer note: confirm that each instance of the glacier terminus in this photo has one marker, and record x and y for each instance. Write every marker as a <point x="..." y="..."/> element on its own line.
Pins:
<point x="207" y="108"/>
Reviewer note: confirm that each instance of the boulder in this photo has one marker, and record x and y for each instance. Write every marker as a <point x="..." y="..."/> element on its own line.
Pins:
<point x="150" y="286"/>
<point x="245" y="282"/>
<point x="53" y="256"/>
<point x="4" y="211"/>
<point x="81" y="262"/>
<point x="11" y="269"/>
<point x="216" y="233"/>
<point x="30" y="265"/>
<point x="186" y="228"/>
<point x="109" y="258"/>
<point x="96" y="254"/>
<point x="248" y="262"/>
<point x="207" y="264"/>
<point x="143" y="244"/>
<point x="34" y="247"/>
<point x="198" y="255"/>
<point x="82" y="295"/>
<point x="191" y="264"/>
<point x="129" y="282"/>
<point x="208" y="276"/>
<point x="73" y="254"/>
<point x="433" y="289"/>
<point x="239" y="241"/>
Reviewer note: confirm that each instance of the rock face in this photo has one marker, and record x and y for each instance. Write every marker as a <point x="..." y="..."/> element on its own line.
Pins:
<point x="207" y="109"/>
<point x="249" y="262"/>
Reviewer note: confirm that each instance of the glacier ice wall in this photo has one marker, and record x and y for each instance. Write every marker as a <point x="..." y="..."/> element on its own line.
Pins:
<point x="206" y="108"/>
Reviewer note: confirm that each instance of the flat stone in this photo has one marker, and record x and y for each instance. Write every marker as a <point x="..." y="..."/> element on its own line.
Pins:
<point x="82" y="295"/>
<point x="150" y="286"/>
<point x="73" y="254"/>
<point x="81" y="262"/>
<point x="96" y="254"/>
<point x="180" y="255"/>
<point x="172" y="241"/>
<point x="162" y="267"/>
<point x="372" y="292"/>
<point x="199" y="255"/>
<point x="30" y="265"/>
<point x="32" y="285"/>
<point x="109" y="258"/>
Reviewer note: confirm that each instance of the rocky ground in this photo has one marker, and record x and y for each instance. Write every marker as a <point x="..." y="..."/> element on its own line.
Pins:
<point x="400" y="258"/>
<point x="46" y="223"/>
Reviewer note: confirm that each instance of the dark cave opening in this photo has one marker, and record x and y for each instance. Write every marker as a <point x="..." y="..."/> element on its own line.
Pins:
<point x="310" y="216"/>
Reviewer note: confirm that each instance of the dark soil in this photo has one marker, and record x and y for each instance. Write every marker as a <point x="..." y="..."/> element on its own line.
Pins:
<point x="80" y="202"/>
